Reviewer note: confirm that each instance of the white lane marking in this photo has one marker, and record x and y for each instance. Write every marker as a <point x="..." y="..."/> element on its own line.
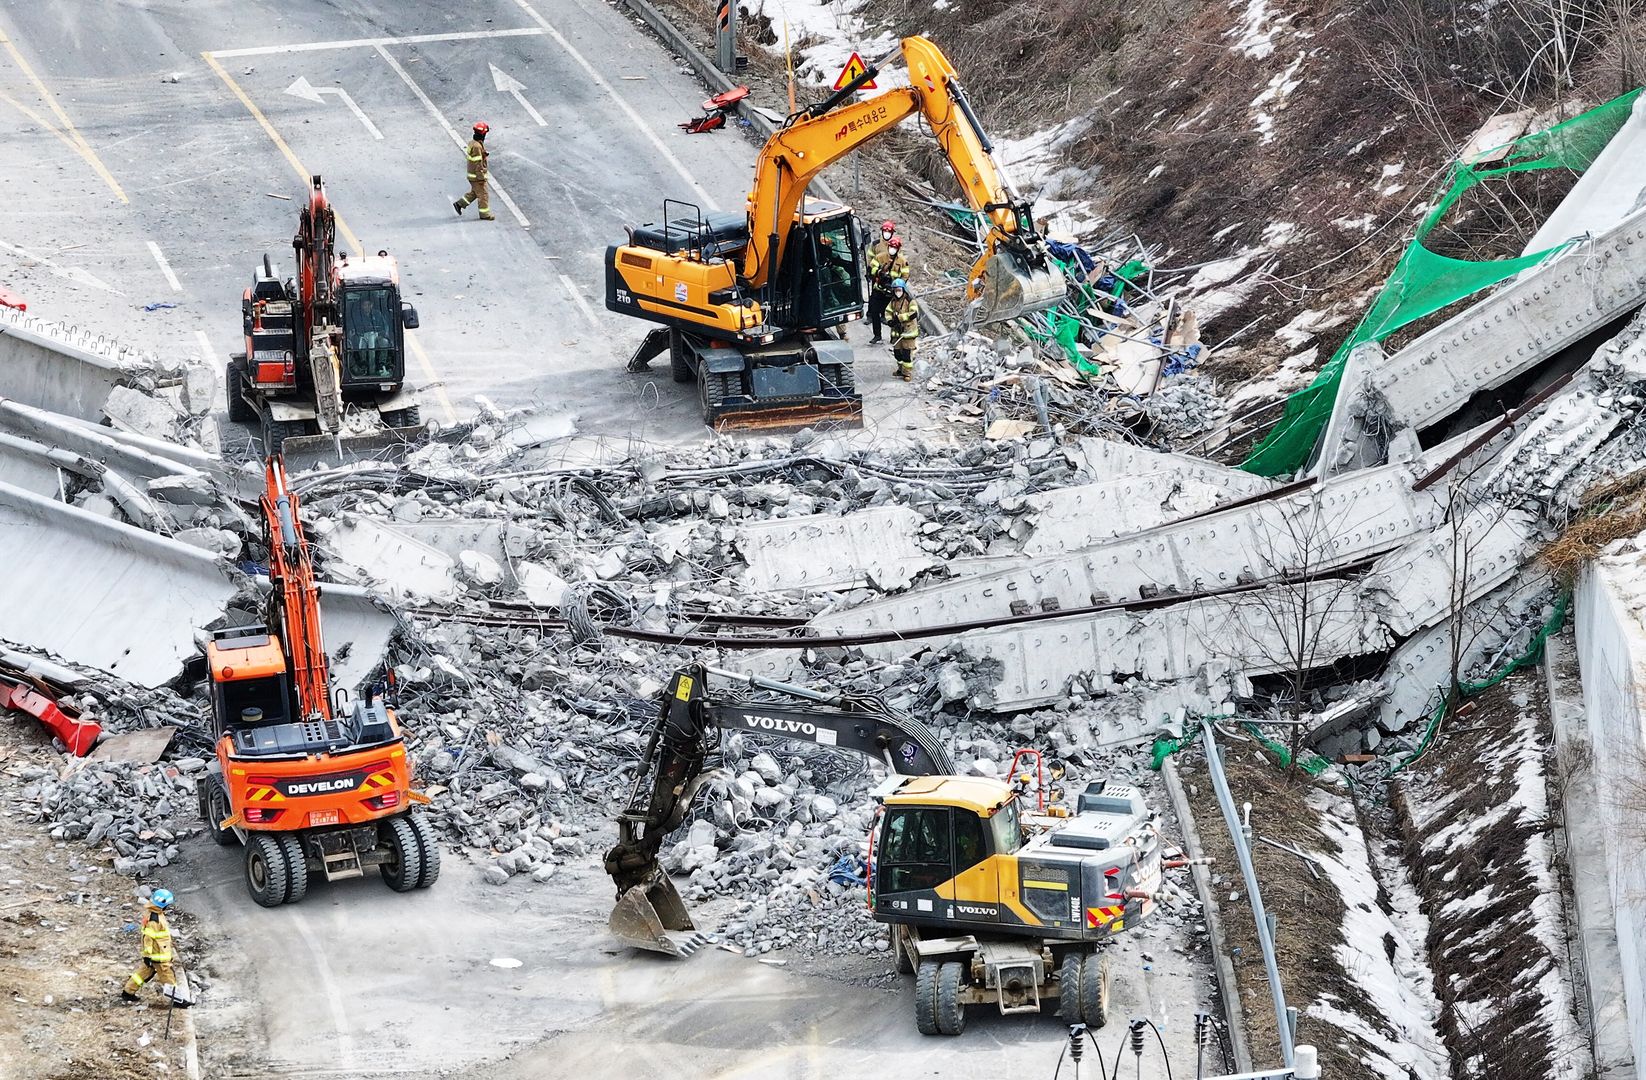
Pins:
<point x="191" y="1052"/>
<point x="72" y="273"/>
<point x="497" y="189"/>
<point x="446" y="410"/>
<point x="165" y="267"/>
<point x="306" y="90"/>
<point x="333" y="995"/>
<point x="362" y="43"/>
<point x="205" y="348"/>
<point x="634" y="117"/>
<point x="577" y="298"/>
<point x="508" y="84"/>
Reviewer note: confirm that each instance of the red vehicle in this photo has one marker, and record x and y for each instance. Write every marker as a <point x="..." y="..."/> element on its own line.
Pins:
<point x="326" y="351"/>
<point x="309" y="781"/>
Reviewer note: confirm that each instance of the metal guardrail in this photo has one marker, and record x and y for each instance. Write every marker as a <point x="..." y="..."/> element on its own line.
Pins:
<point x="1285" y="1018"/>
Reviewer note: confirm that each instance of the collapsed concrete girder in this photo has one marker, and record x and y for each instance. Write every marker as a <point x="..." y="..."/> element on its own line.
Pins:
<point x="1339" y="523"/>
<point x="1577" y="292"/>
<point x="101" y="594"/>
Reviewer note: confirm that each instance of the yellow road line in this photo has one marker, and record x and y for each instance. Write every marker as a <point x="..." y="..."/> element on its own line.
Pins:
<point x="353" y="241"/>
<point x="78" y="140"/>
<point x="41" y="120"/>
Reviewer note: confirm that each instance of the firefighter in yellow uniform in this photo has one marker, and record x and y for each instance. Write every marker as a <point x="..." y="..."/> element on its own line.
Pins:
<point x="157" y="950"/>
<point x="476" y="155"/>
<point x="886" y="264"/>
<point x="903" y="321"/>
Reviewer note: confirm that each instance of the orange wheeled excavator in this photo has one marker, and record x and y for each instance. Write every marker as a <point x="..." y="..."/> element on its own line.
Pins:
<point x="308" y="780"/>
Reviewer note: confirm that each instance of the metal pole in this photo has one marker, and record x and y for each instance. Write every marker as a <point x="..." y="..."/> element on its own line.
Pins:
<point x="725" y="36"/>
<point x="1243" y="851"/>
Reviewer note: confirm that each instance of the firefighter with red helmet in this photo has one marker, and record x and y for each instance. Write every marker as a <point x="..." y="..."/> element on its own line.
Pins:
<point x="476" y="155"/>
<point x="886" y="264"/>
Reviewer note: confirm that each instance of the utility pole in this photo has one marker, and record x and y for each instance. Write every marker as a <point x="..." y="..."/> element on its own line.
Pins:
<point x="725" y="36"/>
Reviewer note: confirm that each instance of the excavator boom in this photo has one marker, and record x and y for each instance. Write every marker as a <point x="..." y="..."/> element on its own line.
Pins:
<point x="296" y="600"/>
<point x="649" y="912"/>
<point x="1013" y="277"/>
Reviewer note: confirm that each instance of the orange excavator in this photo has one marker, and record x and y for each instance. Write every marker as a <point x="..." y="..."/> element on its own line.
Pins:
<point x="308" y="780"/>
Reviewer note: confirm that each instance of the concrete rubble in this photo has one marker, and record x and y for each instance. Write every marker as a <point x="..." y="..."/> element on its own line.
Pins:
<point x="1064" y="578"/>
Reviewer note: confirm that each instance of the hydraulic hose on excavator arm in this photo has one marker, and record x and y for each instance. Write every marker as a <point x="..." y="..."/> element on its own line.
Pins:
<point x="649" y="912"/>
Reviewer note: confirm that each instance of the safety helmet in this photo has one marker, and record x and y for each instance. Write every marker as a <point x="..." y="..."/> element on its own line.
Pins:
<point x="161" y="898"/>
<point x="888" y="225"/>
<point x="899" y="283"/>
<point x="894" y="243"/>
<point x="481" y="128"/>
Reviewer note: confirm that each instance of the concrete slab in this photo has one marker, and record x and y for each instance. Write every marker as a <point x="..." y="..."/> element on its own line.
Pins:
<point x="101" y="594"/>
<point x="357" y="627"/>
<point x="57" y="367"/>
<point x="1613" y="187"/>
<point x="373" y="554"/>
<point x="1585" y="822"/>
<point x="878" y="546"/>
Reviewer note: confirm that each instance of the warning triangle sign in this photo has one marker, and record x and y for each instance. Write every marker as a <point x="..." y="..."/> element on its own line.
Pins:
<point x="854" y="67"/>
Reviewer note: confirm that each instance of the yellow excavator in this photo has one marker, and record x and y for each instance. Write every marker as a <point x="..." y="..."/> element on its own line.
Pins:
<point x="994" y="898"/>
<point x="749" y="302"/>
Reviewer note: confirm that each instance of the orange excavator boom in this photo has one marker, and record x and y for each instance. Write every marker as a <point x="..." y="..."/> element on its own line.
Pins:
<point x="297" y="597"/>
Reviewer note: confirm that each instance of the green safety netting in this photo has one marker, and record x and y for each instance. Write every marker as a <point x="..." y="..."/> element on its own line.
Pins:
<point x="1532" y="655"/>
<point x="1166" y="745"/>
<point x="1064" y="326"/>
<point x="1424" y="282"/>
<point x="1313" y="764"/>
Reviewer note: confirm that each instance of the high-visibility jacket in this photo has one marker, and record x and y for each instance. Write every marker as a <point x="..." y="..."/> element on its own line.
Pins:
<point x="879" y="254"/>
<point x="156" y="938"/>
<point x="477" y="159"/>
<point x="903" y="317"/>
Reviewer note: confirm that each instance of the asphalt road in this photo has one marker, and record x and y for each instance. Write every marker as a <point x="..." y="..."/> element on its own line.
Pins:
<point x="125" y="189"/>
<point x="357" y="981"/>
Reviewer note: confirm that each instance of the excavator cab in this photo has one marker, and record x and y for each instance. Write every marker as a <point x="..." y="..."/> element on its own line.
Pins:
<point x="375" y="321"/>
<point x="821" y="282"/>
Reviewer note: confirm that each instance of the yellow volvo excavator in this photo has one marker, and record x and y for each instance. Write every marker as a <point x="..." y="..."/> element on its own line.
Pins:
<point x="747" y="301"/>
<point x="992" y="901"/>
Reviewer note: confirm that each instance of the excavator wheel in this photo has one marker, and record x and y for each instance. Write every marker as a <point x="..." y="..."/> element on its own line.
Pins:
<point x="276" y="432"/>
<point x="903" y="940"/>
<point x="1094" y="991"/>
<point x="937" y="1006"/>
<point x="428" y="850"/>
<point x="266" y="877"/>
<point x="233" y="376"/>
<point x="1069" y="980"/>
<point x="404" y="869"/>
<point x="679" y="366"/>
<point x="217" y="808"/>
<point x="297" y="867"/>
<point x="404" y="418"/>
<point x="951" y="1012"/>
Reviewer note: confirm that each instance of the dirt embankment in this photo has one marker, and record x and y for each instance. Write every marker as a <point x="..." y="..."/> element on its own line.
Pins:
<point x="1309" y="137"/>
<point x="1310" y="910"/>
<point x="1477" y="817"/>
<point x="65" y="947"/>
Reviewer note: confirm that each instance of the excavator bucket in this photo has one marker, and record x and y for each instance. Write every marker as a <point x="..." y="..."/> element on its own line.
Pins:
<point x="654" y="917"/>
<point x="304" y="452"/>
<point x="1009" y="289"/>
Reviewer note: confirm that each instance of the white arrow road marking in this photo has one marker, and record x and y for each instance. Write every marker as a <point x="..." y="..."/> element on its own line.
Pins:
<point x="508" y="84"/>
<point x="462" y="144"/>
<point x="634" y="118"/>
<point x="303" y="89"/>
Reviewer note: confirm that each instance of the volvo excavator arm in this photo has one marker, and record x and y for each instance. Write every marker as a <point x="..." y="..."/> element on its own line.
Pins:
<point x="1013" y="276"/>
<point x="649" y="912"/>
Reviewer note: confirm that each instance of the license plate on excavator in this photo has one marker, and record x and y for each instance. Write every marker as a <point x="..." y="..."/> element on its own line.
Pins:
<point x="324" y="817"/>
